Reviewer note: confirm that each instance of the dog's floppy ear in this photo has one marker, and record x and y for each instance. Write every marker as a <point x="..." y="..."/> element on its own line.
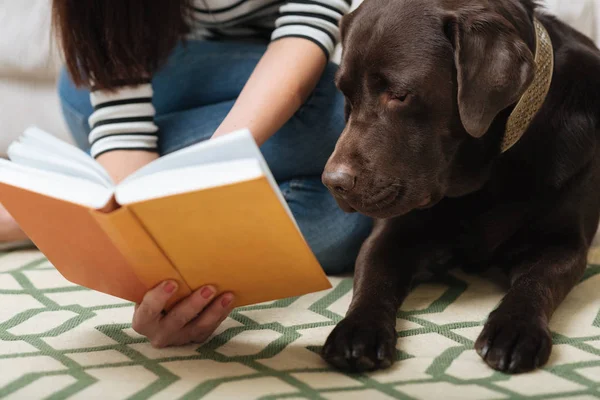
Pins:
<point x="494" y="67"/>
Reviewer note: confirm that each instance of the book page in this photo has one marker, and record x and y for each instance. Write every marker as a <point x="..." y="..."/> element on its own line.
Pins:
<point x="187" y="179"/>
<point x="232" y="146"/>
<point x="220" y="149"/>
<point x="35" y="143"/>
<point x="57" y="186"/>
<point x="34" y="157"/>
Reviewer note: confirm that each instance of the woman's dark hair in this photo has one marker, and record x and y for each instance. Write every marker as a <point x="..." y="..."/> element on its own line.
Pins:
<point x="111" y="42"/>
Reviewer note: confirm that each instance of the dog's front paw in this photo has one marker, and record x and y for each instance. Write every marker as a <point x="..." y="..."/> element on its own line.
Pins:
<point x="514" y="344"/>
<point x="358" y="345"/>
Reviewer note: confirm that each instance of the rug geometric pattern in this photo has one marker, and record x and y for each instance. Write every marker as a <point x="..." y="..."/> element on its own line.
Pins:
<point x="60" y="341"/>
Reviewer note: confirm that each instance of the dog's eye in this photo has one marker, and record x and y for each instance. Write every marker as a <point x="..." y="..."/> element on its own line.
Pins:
<point x="395" y="100"/>
<point x="401" y="97"/>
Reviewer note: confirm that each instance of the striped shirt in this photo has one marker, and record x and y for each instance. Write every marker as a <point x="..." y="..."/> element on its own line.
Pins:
<point x="124" y="119"/>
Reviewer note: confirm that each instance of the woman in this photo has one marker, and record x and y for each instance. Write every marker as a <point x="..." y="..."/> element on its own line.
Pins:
<point x="152" y="93"/>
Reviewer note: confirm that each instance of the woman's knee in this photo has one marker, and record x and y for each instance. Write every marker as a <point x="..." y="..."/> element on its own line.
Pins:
<point x="338" y="249"/>
<point x="324" y="110"/>
<point x="334" y="236"/>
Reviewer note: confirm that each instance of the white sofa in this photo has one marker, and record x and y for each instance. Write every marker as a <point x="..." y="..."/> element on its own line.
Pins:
<point x="28" y="70"/>
<point x="29" y="64"/>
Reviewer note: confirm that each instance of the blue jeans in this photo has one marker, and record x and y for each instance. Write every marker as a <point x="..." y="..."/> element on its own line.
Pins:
<point x="193" y="93"/>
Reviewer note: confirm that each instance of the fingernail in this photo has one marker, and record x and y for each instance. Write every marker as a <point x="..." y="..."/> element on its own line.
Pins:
<point x="207" y="292"/>
<point x="226" y="301"/>
<point x="170" y="287"/>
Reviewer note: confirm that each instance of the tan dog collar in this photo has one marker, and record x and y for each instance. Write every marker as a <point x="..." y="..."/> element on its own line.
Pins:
<point x="535" y="95"/>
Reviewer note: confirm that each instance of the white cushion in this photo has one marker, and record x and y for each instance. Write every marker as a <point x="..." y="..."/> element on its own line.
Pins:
<point x="27" y="49"/>
<point x="23" y="104"/>
<point x="583" y="15"/>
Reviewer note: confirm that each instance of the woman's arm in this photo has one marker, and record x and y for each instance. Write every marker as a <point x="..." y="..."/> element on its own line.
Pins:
<point x="305" y="35"/>
<point x="281" y="82"/>
<point x="121" y="163"/>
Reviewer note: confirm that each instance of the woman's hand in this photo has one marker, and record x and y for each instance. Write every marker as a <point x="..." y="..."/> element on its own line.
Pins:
<point x="9" y="229"/>
<point x="192" y="320"/>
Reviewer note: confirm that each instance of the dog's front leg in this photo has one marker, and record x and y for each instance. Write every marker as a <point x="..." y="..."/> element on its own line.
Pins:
<point x="516" y="337"/>
<point x="366" y="338"/>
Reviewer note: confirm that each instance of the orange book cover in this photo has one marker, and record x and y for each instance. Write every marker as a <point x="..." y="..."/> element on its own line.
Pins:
<point x="73" y="241"/>
<point x="237" y="237"/>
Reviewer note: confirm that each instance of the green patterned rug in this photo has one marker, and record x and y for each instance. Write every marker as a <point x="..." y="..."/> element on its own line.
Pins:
<point x="60" y="341"/>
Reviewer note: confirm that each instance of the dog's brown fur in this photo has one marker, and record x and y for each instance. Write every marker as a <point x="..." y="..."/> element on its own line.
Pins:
<point x="429" y="86"/>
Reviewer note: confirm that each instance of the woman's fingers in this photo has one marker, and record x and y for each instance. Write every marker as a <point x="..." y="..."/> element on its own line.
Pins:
<point x="173" y="324"/>
<point x="149" y="311"/>
<point x="202" y="327"/>
<point x="192" y="320"/>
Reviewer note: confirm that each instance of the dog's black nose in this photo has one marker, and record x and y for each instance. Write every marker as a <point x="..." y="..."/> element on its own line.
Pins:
<point x="339" y="181"/>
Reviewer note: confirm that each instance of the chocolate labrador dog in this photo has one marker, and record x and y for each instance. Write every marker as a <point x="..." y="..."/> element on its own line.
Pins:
<point x="472" y="138"/>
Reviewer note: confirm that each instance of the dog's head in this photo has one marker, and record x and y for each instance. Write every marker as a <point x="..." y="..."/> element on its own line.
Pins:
<point x="424" y="80"/>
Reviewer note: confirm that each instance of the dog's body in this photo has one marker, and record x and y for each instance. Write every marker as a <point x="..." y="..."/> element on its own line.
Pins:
<point x="421" y="153"/>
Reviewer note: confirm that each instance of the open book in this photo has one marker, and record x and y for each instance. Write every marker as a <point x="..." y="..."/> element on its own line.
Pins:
<point x="208" y="214"/>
